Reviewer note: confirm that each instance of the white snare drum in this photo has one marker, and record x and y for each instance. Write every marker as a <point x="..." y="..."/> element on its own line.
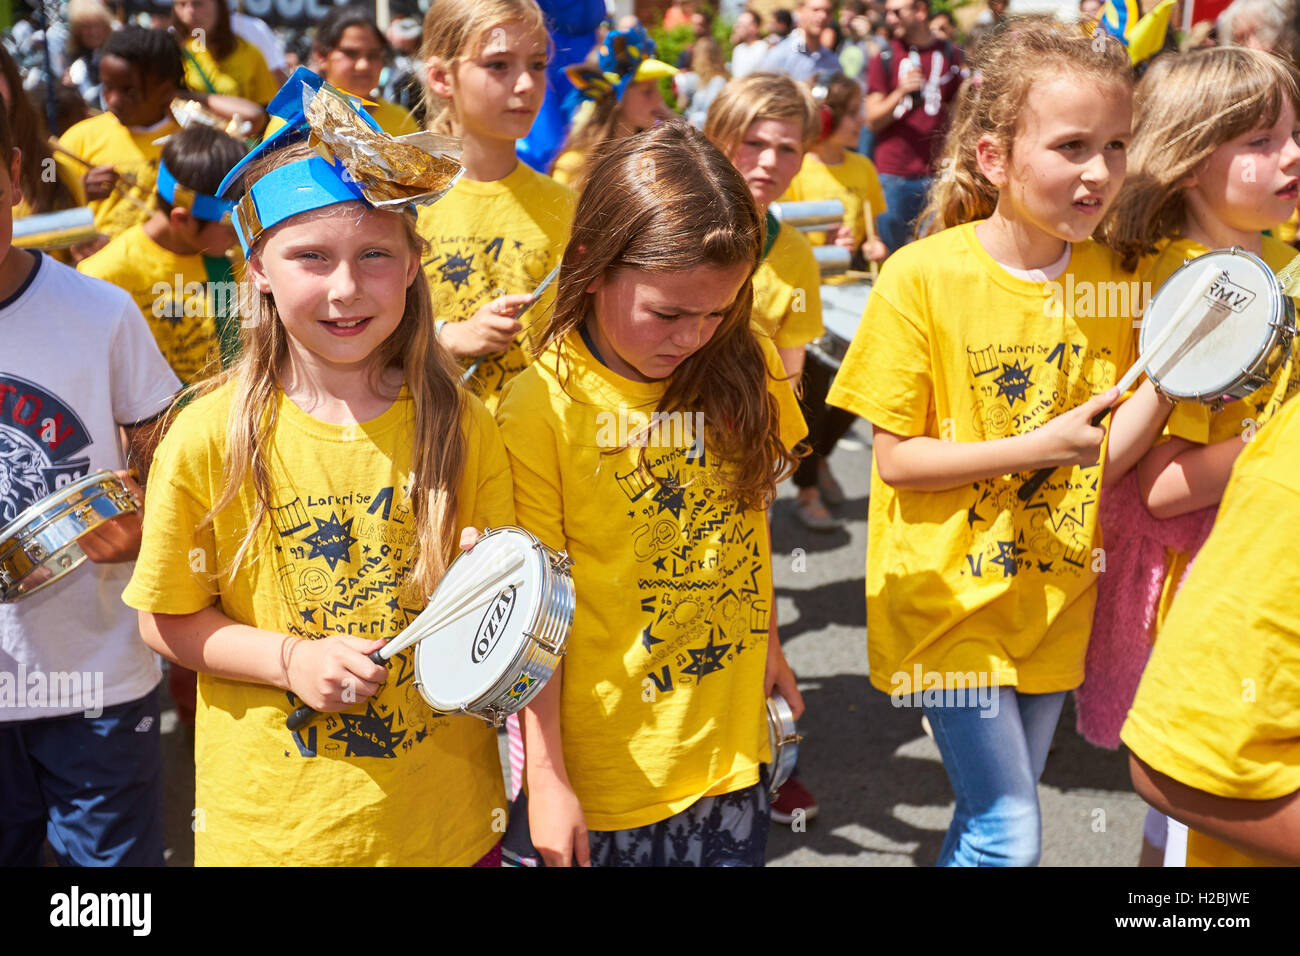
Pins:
<point x="491" y="664"/>
<point x="1232" y="350"/>
<point x="843" y="303"/>
<point x="784" y="739"/>
<point x="40" y="545"/>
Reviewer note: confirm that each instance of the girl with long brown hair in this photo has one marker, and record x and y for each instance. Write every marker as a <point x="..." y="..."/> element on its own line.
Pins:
<point x="308" y="501"/>
<point x="647" y="440"/>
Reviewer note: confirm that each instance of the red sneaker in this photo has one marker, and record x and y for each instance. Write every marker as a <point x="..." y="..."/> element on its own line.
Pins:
<point x="792" y="798"/>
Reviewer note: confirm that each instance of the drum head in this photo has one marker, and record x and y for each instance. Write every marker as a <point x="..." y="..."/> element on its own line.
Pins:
<point x="459" y="665"/>
<point x="842" y="306"/>
<point x="1229" y="327"/>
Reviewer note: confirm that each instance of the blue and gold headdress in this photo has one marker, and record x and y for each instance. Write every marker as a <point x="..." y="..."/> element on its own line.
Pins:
<point x="626" y="57"/>
<point x="356" y="160"/>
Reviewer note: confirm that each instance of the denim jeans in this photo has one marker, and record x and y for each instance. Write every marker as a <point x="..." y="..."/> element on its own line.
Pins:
<point x="994" y="757"/>
<point x="905" y="199"/>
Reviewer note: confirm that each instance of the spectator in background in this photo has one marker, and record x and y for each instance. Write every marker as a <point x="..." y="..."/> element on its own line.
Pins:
<point x="779" y="26"/>
<point x="1261" y="25"/>
<point x="859" y="46"/>
<point x="89" y="24"/>
<point x="993" y="14"/>
<point x="697" y="88"/>
<point x="910" y="90"/>
<point x="702" y="26"/>
<point x="801" y="55"/>
<point x="1089" y="11"/>
<point x="747" y="44"/>
<point x="677" y="15"/>
<point x="401" y="80"/>
<point x="944" y="28"/>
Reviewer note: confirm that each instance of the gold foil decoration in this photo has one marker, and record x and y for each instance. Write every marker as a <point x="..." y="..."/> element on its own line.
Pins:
<point x="191" y="112"/>
<point x="390" y="171"/>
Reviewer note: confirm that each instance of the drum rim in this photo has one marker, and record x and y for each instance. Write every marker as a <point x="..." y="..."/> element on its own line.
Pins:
<point x="1278" y="307"/>
<point x="523" y="652"/>
<point x="40" y="506"/>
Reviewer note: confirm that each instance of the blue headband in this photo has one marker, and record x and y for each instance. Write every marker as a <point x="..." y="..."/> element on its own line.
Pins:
<point x="310" y="183"/>
<point x="201" y="205"/>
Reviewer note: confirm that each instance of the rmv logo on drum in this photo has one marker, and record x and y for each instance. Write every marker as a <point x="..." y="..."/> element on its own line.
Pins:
<point x="1226" y="292"/>
<point x="493" y="623"/>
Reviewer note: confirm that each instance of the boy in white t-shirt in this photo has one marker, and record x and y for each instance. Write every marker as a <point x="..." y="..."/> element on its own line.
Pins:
<point x="80" y="756"/>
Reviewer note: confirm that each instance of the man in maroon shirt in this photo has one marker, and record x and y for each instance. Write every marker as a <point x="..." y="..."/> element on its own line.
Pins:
<point x="910" y="89"/>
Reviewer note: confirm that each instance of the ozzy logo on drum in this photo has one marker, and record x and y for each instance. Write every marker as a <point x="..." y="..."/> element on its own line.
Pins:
<point x="1227" y="293"/>
<point x="493" y="623"/>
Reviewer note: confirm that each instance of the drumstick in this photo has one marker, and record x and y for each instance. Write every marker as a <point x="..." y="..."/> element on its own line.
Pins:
<point x="537" y="294"/>
<point x="443" y="609"/>
<point x="874" y="267"/>
<point x="124" y="183"/>
<point x="1186" y="308"/>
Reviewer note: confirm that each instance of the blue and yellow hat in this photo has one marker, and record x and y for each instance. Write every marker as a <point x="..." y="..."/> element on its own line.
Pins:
<point x="356" y="160"/>
<point x="200" y="205"/>
<point x="626" y="57"/>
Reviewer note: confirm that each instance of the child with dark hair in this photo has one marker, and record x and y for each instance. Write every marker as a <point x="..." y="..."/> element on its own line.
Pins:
<point x="117" y="152"/>
<point x="350" y="52"/>
<point x="80" y="766"/>
<point x="167" y="263"/>
<point x="216" y="60"/>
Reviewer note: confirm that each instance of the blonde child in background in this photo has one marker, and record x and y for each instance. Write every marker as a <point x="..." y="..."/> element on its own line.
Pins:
<point x="1214" y="163"/>
<point x="503" y="226"/>
<point x="645" y="746"/>
<point x="314" y="491"/>
<point x="623" y="88"/>
<point x="975" y="374"/>
<point x="764" y="123"/>
<point x="831" y="170"/>
<point x="350" y="53"/>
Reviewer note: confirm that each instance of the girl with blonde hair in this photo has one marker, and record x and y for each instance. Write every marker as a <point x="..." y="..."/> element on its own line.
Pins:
<point x="1214" y="164"/>
<point x="647" y="440"/>
<point x="305" y="503"/>
<point x="502" y="228"/>
<point x="975" y="373"/>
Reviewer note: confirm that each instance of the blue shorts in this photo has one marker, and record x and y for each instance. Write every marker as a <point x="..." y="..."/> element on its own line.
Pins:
<point x="91" y="785"/>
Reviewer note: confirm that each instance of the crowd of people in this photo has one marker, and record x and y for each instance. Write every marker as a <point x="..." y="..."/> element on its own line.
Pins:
<point x="319" y="398"/>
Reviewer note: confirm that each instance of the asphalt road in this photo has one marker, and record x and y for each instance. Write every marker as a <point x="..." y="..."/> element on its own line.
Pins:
<point x="883" y="794"/>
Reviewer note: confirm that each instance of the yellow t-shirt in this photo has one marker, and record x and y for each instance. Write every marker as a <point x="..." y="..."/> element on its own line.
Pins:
<point x="662" y="699"/>
<point x="393" y="119"/>
<point x="386" y="782"/>
<point x="973" y="580"/>
<point x="568" y="166"/>
<point x="172" y="292"/>
<point x="243" y="73"/>
<point x="853" y="182"/>
<point x="787" y="292"/>
<point x="1218" y="708"/>
<point x="493" y="239"/>
<point x="102" y="140"/>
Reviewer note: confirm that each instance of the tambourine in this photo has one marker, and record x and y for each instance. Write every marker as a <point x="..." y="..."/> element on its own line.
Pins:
<point x="40" y="546"/>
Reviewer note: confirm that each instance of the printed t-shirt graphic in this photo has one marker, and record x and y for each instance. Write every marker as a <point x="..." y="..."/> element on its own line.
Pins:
<point x="954" y="347"/>
<point x="662" y="699"/>
<point x="330" y="560"/>
<point x="489" y="239"/>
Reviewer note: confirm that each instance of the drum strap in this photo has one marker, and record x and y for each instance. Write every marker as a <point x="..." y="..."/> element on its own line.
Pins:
<point x="587" y="340"/>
